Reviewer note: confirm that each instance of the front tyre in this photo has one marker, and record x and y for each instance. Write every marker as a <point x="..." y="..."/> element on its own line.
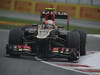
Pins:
<point x="73" y="43"/>
<point x="15" y="38"/>
<point x="82" y="42"/>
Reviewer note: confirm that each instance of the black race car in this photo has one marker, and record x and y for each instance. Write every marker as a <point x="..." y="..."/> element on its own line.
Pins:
<point x="47" y="40"/>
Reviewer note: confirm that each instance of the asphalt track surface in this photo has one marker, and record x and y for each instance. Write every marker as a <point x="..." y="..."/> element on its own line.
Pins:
<point x="29" y="65"/>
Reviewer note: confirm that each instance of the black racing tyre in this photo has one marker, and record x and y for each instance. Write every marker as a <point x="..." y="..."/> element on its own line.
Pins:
<point x="73" y="42"/>
<point x="15" y="38"/>
<point x="82" y="42"/>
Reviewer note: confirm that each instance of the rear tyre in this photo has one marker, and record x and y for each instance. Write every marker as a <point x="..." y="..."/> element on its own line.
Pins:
<point x="73" y="43"/>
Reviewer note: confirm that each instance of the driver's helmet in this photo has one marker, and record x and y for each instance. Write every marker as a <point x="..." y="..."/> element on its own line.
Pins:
<point x="49" y="22"/>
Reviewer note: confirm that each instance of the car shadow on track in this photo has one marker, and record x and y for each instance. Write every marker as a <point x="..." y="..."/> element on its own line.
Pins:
<point x="30" y="58"/>
<point x="34" y="58"/>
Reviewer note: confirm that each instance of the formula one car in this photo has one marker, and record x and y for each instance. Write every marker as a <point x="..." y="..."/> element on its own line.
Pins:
<point x="47" y="40"/>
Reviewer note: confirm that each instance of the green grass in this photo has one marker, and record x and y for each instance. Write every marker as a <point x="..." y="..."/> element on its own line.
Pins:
<point x="72" y="27"/>
<point x="2" y="26"/>
<point x="17" y="20"/>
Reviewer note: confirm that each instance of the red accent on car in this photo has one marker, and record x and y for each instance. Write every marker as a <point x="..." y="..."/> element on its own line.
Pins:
<point x="24" y="47"/>
<point x="19" y="46"/>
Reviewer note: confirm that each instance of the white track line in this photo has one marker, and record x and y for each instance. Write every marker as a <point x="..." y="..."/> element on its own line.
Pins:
<point x="94" y="35"/>
<point x="66" y="68"/>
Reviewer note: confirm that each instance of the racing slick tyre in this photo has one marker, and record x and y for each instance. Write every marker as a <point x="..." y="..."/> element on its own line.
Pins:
<point x="82" y="42"/>
<point x="15" y="38"/>
<point x="73" y="43"/>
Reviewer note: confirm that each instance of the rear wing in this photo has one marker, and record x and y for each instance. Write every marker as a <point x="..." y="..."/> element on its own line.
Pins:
<point x="58" y="14"/>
